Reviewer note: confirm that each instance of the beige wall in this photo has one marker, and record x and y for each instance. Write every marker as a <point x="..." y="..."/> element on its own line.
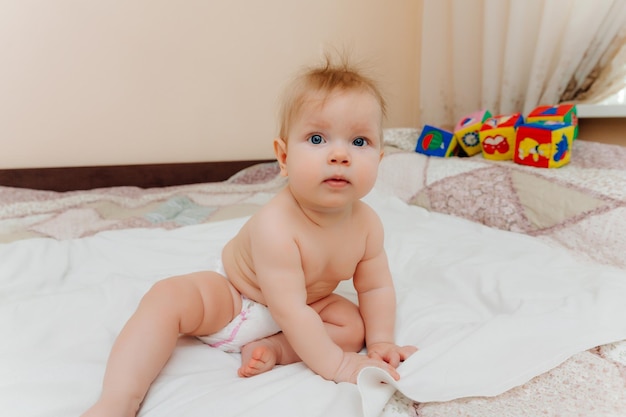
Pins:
<point x="152" y="81"/>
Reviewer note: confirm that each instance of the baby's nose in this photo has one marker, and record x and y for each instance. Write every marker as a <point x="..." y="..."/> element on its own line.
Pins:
<point x="339" y="155"/>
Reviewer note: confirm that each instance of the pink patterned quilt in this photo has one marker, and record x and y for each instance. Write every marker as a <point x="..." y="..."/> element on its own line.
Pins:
<point x="581" y="207"/>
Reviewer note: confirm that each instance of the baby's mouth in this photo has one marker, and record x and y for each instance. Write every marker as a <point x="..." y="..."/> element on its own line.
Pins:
<point x="336" y="181"/>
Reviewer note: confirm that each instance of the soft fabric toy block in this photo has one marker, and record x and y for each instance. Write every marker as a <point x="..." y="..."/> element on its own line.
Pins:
<point x="436" y="142"/>
<point x="545" y="144"/>
<point x="497" y="136"/>
<point x="466" y="131"/>
<point x="565" y="113"/>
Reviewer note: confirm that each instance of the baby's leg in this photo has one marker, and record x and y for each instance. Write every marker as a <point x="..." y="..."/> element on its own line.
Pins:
<point x="199" y="303"/>
<point x="343" y="323"/>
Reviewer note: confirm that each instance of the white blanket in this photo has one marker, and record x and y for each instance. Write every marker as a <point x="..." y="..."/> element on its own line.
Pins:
<point x="488" y="309"/>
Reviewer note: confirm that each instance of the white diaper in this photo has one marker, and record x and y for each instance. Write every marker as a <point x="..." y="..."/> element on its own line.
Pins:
<point x="254" y="322"/>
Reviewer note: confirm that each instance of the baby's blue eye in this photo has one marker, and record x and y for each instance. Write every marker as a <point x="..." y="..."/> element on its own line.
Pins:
<point x="316" y="139"/>
<point x="359" y="142"/>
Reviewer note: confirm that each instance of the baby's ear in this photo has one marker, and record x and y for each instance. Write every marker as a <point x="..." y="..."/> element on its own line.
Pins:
<point x="280" y="150"/>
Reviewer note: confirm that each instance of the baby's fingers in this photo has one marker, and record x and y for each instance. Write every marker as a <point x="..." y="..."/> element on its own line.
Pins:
<point x="391" y="357"/>
<point x="388" y="368"/>
<point x="406" y="351"/>
<point x="353" y="363"/>
<point x="382" y="364"/>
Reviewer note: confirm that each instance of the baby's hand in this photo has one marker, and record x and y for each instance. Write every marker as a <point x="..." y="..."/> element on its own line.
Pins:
<point x="390" y="353"/>
<point x="352" y="363"/>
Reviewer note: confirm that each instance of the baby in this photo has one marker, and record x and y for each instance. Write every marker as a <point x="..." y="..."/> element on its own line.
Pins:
<point x="274" y="301"/>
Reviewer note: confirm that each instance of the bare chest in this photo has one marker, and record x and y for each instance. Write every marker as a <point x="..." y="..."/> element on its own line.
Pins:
<point x="331" y="258"/>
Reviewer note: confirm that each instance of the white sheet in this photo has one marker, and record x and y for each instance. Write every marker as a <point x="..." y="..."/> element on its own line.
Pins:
<point x="488" y="309"/>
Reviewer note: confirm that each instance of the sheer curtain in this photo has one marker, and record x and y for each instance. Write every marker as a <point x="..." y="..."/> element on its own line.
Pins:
<point x="510" y="56"/>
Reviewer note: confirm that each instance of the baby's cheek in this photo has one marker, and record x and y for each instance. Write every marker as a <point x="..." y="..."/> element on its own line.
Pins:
<point x="370" y="172"/>
<point x="305" y="174"/>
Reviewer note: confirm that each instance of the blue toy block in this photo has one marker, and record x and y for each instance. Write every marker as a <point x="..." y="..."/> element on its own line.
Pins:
<point x="436" y="142"/>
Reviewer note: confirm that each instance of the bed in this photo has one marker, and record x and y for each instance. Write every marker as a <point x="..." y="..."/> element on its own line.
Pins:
<point x="511" y="280"/>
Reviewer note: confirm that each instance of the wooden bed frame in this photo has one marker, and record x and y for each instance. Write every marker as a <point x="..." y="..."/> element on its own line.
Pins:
<point x="144" y="176"/>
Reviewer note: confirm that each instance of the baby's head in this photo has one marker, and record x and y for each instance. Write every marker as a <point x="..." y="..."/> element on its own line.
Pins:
<point x="321" y="82"/>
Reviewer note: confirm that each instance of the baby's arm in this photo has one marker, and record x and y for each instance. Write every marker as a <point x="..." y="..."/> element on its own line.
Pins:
<point x="278" y="266"/>
<point x="377" y="300"/>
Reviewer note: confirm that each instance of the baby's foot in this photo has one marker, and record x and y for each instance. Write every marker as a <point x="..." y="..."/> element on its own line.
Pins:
<point x="257" y="357"/>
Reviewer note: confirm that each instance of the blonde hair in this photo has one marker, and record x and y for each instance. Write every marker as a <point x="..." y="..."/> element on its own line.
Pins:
<point x="325" y="79"/>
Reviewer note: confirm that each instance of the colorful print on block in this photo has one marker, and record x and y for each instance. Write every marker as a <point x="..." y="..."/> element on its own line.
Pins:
<point x="565" y="113"/>
<point x="436" y="142"/>
<point x="497" y="136"/>
<point x="467" y="131"/>
<point x="544" y="144"/>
